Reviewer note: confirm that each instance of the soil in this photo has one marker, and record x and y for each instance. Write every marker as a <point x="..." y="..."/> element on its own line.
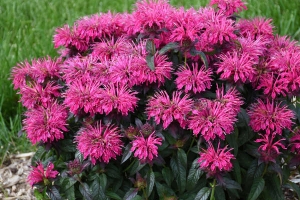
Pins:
<point x="15" y="169"/>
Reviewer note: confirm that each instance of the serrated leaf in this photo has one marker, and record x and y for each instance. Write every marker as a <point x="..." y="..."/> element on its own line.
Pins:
<point x="168" y="47"/>
<point x="137" y="166"/>
<point x="203" y="194"/>
<point x="150" y="47"/>
<point x="202" y="55"/>
<point x="38" y="155"/>
<point x="163" y="190"/>
<point x="150" y="182"/>
<point x="273" y="187"/>
<point x="126" y="154"/>
<point x="257" y="187"/>
<point x="150" y="61"/>
<point x="194" y="175"/>
<point x="130" y="194"/>
<point x="182" y="165"/>
<point x="53" y="193"/>
<point x="113" y="195"/>
<point x="67" y="145"/>
<point x="259" y="170"/>
<point x="97" y="191"/>
<point x="85" y="191"/>
<point x="219" y="193"/>
<point x="112" y="171"/>
<point x="79" y="156"/>
<point x="38" y="195"/>
<point x="167" y="175"/>
<point x="237" y="171"/>
<point x="231" y="184"/>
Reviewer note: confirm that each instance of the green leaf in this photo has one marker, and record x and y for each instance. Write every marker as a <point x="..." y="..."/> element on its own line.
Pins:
<point x="194" y="175"/>
<point x="295" y="187"/>
<point x="38" y="155"/>
<point x="219" y="193"/>
<point x="257" y="187"/>
<point x="130" y="194"/>
<point x="53" y="193"/>
<point x="273" y="187"/>
<point x="231" y="184"/>
<point x="237" y="171"/>
<point x="195" y="52"/>
<point x="79" y="156"/>
<point x="150" y="61"/>
<point x="181" y="165"/>
<point x="38" y="194"/>
<point x="113" y="171"/>
<point x="85" y="191"/>
<point x="168" y="47"/>
<point x="259" y="170"/>
<point x="113" y="195"/>
<point x="150" y="47"/>
<point x="167" y="175"/>
<point x="150" y="182"/>
<point x="127" y="153"/>
<point x="67" y="145"/>
<point x="137" y="166"/>
<point x="163" y="190"/>
<point x="232" y="141"/>
<point x="203" y="194"/>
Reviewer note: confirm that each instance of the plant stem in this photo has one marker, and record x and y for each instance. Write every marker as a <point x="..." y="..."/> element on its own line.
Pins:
<point x="145" y="195"/>
<point x="212" y="196"/>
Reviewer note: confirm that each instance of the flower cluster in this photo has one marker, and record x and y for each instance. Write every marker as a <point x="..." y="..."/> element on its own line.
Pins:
<point x="141" y="94"/>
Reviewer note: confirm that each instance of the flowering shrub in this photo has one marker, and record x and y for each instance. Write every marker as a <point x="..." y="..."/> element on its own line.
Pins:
<point x="164" y="103"/>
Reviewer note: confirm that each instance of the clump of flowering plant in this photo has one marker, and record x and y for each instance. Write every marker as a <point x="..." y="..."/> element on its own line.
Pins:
<point x="164" y="103"/>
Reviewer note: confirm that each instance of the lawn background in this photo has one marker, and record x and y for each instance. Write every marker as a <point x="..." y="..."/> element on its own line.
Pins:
<point x="27" y="27"/>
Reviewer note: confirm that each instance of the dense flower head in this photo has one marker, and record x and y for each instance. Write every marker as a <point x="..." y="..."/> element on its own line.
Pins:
<point x="256" y="27"/>
<point x="46" y="124"/>
<point x="117" y="97"/>
<point x="237" y="67"/>
<point x="83" y="96"/>
<point x="193" y="78"/>
<point x="229" y="6"/>
<point x="150" y="17"/>
<point x="164" y="109"/>
<point x="146" y="148"/>
<point x="99" y="142"/>
<point x="216" y="161"/>
<point x="295" y="142"/>
<point x="270" y="117"/>
<point x="39" y="174"/>
<point x="212" y="119"/>
<point x="230" y="99"/>
<point x="37" y="94"/>
<point x="269" y="149"/>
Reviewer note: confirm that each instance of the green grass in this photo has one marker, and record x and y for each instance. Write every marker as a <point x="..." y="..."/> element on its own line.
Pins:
<point x="27" y="26"/>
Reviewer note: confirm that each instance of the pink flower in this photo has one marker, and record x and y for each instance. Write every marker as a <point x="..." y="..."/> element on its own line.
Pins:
<point x="216" y="161"/>
<point x="270" y="117"/>
<point x="236" y="67"/>
<point x="39" y="174"/>
<point x="256" y="27"/>
<point x="230" y="99"/>
<point x="36" y="94"/>
<point x="269" y="151"/>
<point x="100" y="142"/>
<point x="274" y="85"/>
<point x="229" y="6"/>
<point x="145" y="149"/>
<point x="196" y="80"/>
<point x="46" y="124"/>
<point x="83" y="96"/>
<point x="117" y="97"/>
<point x="218" y="28"/>
<point x="295" y="143"/>
<point x="69" y="38"/>
<point x="162" y="108"/>
<point x="212" y="119"/>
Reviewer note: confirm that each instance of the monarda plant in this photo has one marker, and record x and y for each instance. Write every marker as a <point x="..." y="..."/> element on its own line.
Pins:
<point x="164" y="103"/>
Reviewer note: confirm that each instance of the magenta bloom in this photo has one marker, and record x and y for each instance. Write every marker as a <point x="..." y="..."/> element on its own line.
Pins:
<point x="236" y="67"/>
<point x="162" y="108"/>
<point x="46" y="124"/>
<point x="36" y="94"/>
<point x="270" y="117"/>
<point x="196" y="80"/>
<point x="117" y="97"/>
<point x="269" y="150"/>
<point x="216" y="161"/>
<point x="39" y="174"/>
<point x="229" y="6"/>
<point x="256" y="27"/>
<point x="100" y="142"/>
<point x="83" y="96"/>
<point x="212" y="119"/>
<point x="295" y="143"/>
<point x="20" y="73"/>
<point x="145" y="149"/>
<point x="231" y="99"/>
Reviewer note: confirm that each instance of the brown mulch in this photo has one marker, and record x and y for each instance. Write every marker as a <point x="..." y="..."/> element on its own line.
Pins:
<point x="15" y="169"/>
